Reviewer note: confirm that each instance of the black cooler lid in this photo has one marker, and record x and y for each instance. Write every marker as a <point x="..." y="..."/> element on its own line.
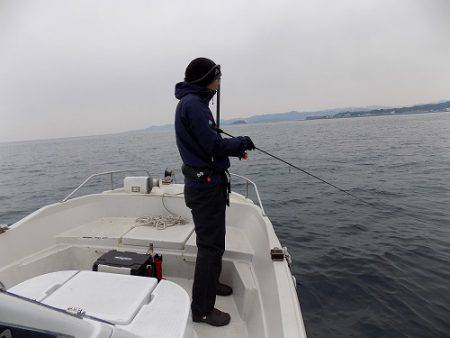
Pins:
<point x="124" y="259"/>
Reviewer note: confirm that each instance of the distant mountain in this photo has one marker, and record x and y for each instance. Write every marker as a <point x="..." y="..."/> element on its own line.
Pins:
<point x="295" y="115"/>
<point x="326" y="114"/>
<point x="441" y="106"/>
<point x="275" y="117"/>
<point x="239" y="122"/>
<point x="158" y="128"/>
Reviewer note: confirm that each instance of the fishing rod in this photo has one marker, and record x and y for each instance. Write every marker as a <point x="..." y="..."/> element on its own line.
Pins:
<point x="326" y="182"/>
<point x="218" y="103"/>
<point x="278" y="158"/>
<point x="302" y="170"/>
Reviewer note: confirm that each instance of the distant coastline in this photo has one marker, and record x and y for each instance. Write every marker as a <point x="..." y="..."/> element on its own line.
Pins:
<point x="417" y="109"/>
<point x="443" y="106"/>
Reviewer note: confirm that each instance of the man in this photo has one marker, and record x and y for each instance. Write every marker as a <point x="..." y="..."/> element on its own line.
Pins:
<point x="205" y="162"/>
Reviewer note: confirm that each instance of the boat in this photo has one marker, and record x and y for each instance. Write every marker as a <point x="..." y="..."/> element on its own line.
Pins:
<point x="51" y="286"/>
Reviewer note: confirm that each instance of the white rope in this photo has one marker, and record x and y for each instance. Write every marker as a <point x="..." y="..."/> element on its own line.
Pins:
<point x="161" y="222"/>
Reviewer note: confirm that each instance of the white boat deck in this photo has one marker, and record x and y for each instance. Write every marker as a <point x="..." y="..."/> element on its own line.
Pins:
<point x="237" y="245"/>
<point x="112" y="231"/>
<point x="72" y="235"/>
<point x="124" y="231"/>
<point x="237" y="327"/>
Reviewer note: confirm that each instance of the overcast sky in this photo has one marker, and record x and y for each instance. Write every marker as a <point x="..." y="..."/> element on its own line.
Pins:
<point x="70" y="68"/>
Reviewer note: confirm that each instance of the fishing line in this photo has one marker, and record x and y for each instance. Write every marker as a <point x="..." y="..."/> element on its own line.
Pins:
<point x="303" y="170"/>
<point x="324" y="181"/>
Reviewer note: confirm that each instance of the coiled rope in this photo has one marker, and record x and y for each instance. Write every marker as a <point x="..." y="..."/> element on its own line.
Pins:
<point x="160" y="222"/>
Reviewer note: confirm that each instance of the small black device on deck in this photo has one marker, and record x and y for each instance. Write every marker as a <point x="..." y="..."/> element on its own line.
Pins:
<point x="126" y="263"/>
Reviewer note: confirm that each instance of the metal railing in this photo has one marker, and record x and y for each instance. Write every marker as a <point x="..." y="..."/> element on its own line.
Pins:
<point x="247" y="182"/>
<point x="111" y="173"/>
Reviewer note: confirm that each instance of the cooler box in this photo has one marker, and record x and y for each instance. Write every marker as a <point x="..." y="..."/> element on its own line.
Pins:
<point x="125" y="263"/>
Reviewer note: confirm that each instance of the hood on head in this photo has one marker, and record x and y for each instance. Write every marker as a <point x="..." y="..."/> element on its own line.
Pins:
<point x="183" y="88"/>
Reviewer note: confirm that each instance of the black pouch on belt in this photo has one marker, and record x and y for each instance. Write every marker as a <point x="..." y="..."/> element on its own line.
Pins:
<point x="197" y="174"/>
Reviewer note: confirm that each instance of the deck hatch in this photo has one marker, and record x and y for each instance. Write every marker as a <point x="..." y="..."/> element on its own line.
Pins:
<point x="111" y="297"/>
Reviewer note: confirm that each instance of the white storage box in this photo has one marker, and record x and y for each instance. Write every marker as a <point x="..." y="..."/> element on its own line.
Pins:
<point x="139" y="184"/>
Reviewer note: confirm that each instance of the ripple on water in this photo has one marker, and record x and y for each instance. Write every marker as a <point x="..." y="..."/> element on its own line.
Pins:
<point x="360" y="272"/>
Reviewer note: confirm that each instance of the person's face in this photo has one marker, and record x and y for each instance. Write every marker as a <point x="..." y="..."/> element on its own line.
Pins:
<point x="214" y="85"/>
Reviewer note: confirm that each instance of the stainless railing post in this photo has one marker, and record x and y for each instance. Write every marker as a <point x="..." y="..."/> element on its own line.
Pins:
<point x="247" y="182"/>
<point x="246" y="189"/>
<point x="112" y="181"/>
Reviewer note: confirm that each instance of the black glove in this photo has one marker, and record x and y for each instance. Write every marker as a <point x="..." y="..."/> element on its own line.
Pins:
<point x="248" y="143"/>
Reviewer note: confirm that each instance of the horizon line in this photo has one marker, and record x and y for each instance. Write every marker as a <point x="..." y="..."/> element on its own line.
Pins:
<point x="243" y="118"/>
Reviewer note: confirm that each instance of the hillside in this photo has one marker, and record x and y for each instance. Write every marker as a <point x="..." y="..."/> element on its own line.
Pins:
<point x="417" y="109"/>
<point x="327" y="114"/>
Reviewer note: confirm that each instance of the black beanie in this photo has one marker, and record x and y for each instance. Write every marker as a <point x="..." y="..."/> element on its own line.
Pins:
<point x="199" y="71"/>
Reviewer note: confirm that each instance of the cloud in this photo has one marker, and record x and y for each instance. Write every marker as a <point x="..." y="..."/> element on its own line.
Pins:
<point x="81" y="67"/>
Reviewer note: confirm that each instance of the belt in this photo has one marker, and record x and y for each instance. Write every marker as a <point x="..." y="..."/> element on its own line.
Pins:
<point x="198" y="173"/>
<point x="205" y="174"/>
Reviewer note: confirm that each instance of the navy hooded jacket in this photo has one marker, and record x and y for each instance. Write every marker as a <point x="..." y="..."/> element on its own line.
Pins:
<point x="198" y="142"/>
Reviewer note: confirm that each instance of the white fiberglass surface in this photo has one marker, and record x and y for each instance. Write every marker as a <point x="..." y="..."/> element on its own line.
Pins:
<point x="60" y="239"/>
<point x="237" y="327"/>
<point x="103" y="295"/>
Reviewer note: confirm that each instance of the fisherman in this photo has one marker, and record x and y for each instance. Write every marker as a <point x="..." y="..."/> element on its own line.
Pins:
<point x="205" y="162"/>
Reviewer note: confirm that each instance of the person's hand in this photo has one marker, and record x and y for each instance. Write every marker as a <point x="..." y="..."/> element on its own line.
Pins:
<point x="248" y="143"/>
<point x="244" y="156"/>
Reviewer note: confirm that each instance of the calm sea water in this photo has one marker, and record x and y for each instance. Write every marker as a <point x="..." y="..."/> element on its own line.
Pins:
<point x="361" y="272"/>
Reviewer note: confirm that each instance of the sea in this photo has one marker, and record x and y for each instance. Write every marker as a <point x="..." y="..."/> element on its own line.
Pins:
<point x="378" y="270"/>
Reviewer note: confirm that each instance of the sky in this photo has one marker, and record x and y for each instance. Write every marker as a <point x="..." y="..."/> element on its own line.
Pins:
<point x="72" y="68"/>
